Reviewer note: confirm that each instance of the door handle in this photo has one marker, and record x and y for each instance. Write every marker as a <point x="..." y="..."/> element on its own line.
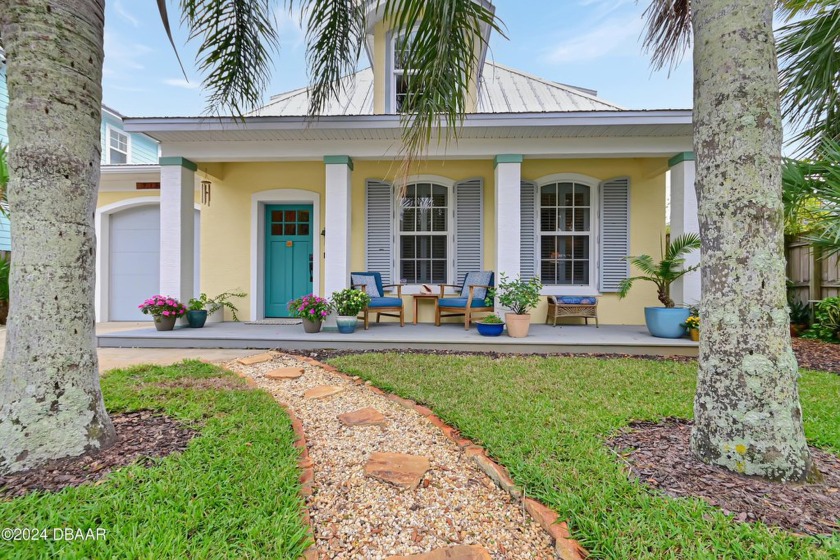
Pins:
<point x="310" y="267"/>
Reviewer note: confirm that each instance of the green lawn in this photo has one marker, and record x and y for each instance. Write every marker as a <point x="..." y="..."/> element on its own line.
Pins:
<point x="232" y="494"/>
<point x="546" y="419"/>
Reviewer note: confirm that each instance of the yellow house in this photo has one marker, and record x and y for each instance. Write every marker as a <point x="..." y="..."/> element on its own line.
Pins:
<point x="545" y="180"/>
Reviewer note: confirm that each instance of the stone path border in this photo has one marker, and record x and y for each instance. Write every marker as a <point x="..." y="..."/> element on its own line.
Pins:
<point x="566" y="547"/>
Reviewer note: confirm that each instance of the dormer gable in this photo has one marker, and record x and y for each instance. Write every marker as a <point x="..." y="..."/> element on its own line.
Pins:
<point x="386" y="47"/>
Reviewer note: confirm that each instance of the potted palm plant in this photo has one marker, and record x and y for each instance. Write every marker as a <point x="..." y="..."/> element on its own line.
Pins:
<point x="667" y="321"/>
<point x="520" y="296"/>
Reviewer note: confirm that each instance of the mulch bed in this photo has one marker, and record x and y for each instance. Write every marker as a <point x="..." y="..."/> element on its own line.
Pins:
<point x="141" y="436"/>
<point x="816" y="354"/>
<point x="811" y="354"/>
<point x="327" y="354"/>
<point x="659" y="457"/>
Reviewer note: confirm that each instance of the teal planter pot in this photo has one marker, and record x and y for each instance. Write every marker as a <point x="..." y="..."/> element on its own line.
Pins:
<point x="196" y="319"/>
<point x="346" y="325"/>
<point x="664" y="322"/>
<point x="490" y="329"/>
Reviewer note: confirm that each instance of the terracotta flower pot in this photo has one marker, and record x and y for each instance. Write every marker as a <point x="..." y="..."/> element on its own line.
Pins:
<point x="311" y="325"/>
<point x="517" y="325"/>
<point x="165" y="323"/>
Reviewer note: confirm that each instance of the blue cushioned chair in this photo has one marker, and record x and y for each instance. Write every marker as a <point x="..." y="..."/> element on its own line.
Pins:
<point x="371" y="282"/>
<point x="472" y="298"/>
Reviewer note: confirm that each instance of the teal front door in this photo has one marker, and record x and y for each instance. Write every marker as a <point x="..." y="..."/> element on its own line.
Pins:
<point x="288" y="256"/>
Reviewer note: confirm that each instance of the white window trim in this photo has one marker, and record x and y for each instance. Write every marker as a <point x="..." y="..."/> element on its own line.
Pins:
<point x="449" y="184"/>
<point x="391" y="101"/>
<point x="110" y="128"/>
<point x="594" y="234"/>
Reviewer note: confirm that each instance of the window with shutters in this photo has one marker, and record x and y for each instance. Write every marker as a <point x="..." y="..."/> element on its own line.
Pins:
<point x="425" y="234"/>
<point x="566" y="233"/>
<point x="118" y="146"/>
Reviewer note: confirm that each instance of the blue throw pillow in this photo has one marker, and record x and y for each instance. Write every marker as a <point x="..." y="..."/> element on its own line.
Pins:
<point x="576" y="300"/>
<point x="369" y="283"/>
<point x="476" y="279"/>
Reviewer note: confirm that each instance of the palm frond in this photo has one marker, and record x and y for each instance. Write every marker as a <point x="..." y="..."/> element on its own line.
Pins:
<point x="645" y="264"/>
<point x="334" y="36"/>
<point x="790" y="9"/>
<point x="682" y="245"/>
<point x="236" y="41"/>
<point x="445" y="39"/>
<point x="814" y="189"/>
<point x="667" y="35"/>
<point x="627" y="283"/>
<point x="809" y="56"/>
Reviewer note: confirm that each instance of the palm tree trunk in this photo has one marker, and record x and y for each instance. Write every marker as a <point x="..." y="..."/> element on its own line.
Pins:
<point x="50" y="402"/>
<point x="747" y="413"/>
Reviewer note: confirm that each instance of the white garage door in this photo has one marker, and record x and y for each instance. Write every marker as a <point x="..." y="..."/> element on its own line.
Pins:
<point x="134" y="260"/>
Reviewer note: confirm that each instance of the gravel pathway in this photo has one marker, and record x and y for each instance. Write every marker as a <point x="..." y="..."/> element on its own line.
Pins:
<point x="356" y="516"/>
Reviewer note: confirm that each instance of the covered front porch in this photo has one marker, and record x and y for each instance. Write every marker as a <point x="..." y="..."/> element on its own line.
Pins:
<point x="578" y="339"/>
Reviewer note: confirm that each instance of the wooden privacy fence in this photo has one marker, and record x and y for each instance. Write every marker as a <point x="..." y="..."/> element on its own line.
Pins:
<point x="811" y="277"/>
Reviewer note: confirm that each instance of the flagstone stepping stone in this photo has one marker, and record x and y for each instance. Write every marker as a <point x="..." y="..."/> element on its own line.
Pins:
<point x="322" y="391"/>
<point x="460" y="552"/>
<point x="362" y="417"/>
<point x="285" y="373"/>
<point x="399" y="469"/>
<point x="256" y="359"/>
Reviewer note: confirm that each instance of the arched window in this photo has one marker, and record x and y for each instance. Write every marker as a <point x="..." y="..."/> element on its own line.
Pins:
<point x="566" y="240"/>
<point x="424" y="234"/>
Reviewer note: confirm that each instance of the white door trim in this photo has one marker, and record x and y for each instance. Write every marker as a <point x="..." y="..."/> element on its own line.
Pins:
<point x="102" y="224"/>
<point x="259" y="201"/>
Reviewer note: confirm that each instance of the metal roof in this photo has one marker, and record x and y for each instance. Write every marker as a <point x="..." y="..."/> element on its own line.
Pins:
<point x="502" y="90"/>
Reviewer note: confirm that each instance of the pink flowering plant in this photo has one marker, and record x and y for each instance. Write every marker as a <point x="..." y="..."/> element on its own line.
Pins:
<point x="162" y="306"/>
<point x="310" y="307"/>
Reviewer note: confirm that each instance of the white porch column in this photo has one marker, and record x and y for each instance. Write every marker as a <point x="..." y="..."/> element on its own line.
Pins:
<point x="337" y="228"/>
<point x="684" y="219"/>
<point x="507" y="211"/>
<point x="177" y="227"/>
<point x="337" y="223"/>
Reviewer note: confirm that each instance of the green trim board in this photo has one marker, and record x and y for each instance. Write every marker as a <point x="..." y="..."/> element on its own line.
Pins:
<point x="681" y="157"/>
<point x="183" y="162"/>
<point x="339" y="160"/>
<point x="507" y="158"/>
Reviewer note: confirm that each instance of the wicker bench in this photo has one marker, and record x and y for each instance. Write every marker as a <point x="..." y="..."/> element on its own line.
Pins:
<point x="585" y="307"/>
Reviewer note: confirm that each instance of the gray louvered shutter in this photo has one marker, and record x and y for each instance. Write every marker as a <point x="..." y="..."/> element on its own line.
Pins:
<point x="528" y="230"/>
<point x="615" y="233"/>
<point x="379" y="240"/>
<point x="469" y="254"/>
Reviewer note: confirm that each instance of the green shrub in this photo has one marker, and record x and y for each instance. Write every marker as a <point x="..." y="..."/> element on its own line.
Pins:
<point x="826" y="321"/>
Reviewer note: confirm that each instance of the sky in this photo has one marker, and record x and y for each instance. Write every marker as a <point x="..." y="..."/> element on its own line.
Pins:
<point x="588" y="43"/>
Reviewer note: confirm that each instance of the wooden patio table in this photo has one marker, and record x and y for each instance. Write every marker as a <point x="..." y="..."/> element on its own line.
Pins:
<point x="422" y="296"/>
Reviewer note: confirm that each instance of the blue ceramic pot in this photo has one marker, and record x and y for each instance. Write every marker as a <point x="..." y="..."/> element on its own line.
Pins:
<point x="346" y="325"/>
<point x="490" y="329"/>
<point x="664" y="322"/>
<point x="196" y="319"/>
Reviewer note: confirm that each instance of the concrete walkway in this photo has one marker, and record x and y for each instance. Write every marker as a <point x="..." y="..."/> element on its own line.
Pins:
<point x="113" y="358"/>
